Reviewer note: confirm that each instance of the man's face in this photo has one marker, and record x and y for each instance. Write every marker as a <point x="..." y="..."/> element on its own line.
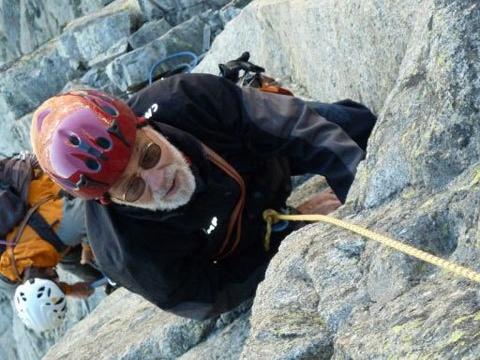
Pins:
<point x="157" y="176"/>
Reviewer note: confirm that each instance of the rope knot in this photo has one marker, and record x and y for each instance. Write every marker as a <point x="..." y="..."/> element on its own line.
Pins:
<point x="271" y="216"/>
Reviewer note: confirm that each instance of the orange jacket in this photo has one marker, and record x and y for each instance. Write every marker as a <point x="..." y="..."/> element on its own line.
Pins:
<point x="31" y="249"/>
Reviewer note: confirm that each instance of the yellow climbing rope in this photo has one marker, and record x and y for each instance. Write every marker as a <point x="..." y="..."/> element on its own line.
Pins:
<point x="271" y="217"/>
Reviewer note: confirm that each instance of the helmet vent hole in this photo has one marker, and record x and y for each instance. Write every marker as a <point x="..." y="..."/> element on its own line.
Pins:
<point x="49" y="292"/>
<point x="59" y="301"/>
<point x="92" y="164"/>
<point x="108" y="109"/>
<point x="103" y="103"/>
<point x="115" y="130"/>
<point x="104" y="143"/>
<point x="74" y="140"/>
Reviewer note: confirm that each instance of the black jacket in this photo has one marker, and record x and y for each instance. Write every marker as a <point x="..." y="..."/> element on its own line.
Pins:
<point x="166" y="256"/>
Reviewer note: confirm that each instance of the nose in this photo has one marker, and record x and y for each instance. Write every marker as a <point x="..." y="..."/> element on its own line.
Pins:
<point x="154" y="178"/>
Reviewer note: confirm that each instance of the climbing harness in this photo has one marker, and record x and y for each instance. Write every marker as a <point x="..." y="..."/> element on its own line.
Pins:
<point x="271" y="217"/>
<point x="21" y="227"/>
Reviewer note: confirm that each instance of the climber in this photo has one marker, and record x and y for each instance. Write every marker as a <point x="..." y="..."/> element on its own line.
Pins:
<point x="177" y="180"/>
<point x="41" y="229"/>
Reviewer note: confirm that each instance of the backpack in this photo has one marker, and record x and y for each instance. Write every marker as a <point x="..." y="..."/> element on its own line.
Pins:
<point x="252" y="75"/>
<point x="16" y="175"/>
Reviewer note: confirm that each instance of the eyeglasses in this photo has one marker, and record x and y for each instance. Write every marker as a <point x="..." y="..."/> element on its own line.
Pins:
<point x="149" y="157"/>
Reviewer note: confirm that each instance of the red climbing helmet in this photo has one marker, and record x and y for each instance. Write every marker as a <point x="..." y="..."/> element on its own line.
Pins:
<point x="83" y="140"/>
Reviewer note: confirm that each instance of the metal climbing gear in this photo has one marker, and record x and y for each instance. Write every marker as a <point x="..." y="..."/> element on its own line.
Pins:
<point x="244" y="73"/>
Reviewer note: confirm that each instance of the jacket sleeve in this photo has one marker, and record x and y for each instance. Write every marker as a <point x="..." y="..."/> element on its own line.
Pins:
<point x="268" y="124"/>
<point x="278" y="125"/>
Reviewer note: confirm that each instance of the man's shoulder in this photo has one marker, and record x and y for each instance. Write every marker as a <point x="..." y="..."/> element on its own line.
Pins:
<point x="191" y="78"/>
<point x="179" y="97"/>
<point x="170" y="94"/>
<point x="174" y="84"/>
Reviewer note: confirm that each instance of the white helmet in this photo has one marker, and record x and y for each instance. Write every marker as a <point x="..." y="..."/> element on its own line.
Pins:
<point x="40" y="304"/>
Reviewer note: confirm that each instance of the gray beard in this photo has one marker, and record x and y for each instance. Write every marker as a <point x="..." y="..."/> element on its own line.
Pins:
<point x="186" y="187"/>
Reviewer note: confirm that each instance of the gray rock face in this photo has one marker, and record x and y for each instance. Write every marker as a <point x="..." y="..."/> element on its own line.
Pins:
<point x="438" y="110"/>
<point x="33" y="79"/>
<point x="428" y="329"/>
<point x="98" y="79"/>
<point x="231" y="334"/>
<point x="114" y="51"/>
<point x="177" y="11"/>
<point x="89" y="37"/>
<point x="9" y="31"/>
<point x="41" y="21"/>
<point x="7" y="342"/>
<point x="149" y="32"/>
<point x="153" y="334"/>
<point x="131" y="69"/>
<point x="18" y="135"/>
<point x="27" y="24"/>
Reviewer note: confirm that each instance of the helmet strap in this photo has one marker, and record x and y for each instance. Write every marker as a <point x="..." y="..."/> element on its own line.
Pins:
<point x="105" y="199"/>
<point x="141" y="122"/>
